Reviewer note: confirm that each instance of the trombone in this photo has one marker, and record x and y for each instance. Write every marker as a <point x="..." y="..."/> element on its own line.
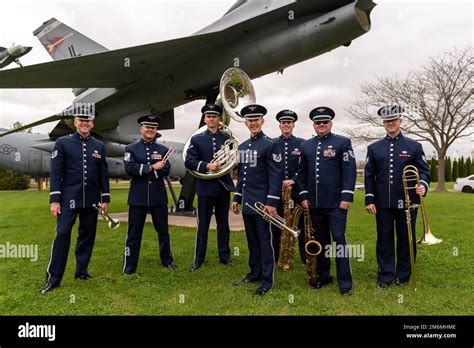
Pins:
<point x="113" y="223"/>
<point x="275" y="221"/>
<point x="410" y="175"/>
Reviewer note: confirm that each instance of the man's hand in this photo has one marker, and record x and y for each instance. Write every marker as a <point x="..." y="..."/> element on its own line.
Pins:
<point x="105" y="207"/>
<point x="55" y="209"/>
<point x="158" y="165"/>
<point x="420" y="189"/>
<point x="305" y="204"/>
<point x="345" y="205"/>
<point x="371" y="209"/>
<point x="288" y="183"/>
<point x="272" y="211"/>
<point x="213" y="166"/>
<point x="235" y="208"/>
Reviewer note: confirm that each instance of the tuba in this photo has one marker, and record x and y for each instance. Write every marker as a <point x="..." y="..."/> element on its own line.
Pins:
<point x="410" y="175"/>
<point x="236" y="91"/>
<point x="312" y="249"/>
<point x="287" y="240"/>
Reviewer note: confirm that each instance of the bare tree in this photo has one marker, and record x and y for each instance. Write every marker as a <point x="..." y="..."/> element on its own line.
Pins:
<point x="438" y="100"/>
<point x="18" y="124"/>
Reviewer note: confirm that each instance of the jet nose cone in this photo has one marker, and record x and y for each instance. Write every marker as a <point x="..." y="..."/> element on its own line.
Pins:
<point x="15" y="50"/>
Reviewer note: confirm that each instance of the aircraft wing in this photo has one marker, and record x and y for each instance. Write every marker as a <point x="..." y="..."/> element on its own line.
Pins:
<point x="111" y="69"/>
<point x="36" y="123"/>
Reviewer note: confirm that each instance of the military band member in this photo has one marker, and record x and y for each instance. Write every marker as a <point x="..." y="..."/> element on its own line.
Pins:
<point x="260" y="175"/>
<point x="290" y="147"/>
<point x="213" y="194"/>
<point x="79" y="182"/>
<point x="147" y="194"/>
<point x="326" y="178"/>
<point x="384" y="196"/>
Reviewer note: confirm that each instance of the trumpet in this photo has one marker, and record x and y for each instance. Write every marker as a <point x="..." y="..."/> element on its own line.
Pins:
<point x="113" y="223"/>
<point x="275" y="221"/>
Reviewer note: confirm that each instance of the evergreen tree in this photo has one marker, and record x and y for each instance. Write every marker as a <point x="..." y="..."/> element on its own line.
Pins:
<point x="469" y="167"/>
<point x="462" y="168"/>
<point x="455" y="173"/>
<point x="434" y="170"/>
<point x="447" y="170"/>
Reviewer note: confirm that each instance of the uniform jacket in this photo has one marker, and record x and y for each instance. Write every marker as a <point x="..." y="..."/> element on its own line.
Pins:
<point x="260" y="173"/>
<point x="385" y="161"/>
<point x="291" y="151"/>
<point x="79" y="172"/>
<point x="147" y="187"/>
<point x="327" y="171"/>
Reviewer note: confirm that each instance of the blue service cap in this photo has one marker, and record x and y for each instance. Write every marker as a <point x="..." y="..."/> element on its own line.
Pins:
<point x="388" y="113"/>
<point x="322" y="113"/>
<point x="212" y="109"/>
<point x="287" y="115"/>
<point x="149" y="121"/>
<point x="253" y="112"/>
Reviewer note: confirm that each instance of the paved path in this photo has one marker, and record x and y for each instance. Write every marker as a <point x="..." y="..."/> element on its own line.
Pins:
<point x="235" y="221"/>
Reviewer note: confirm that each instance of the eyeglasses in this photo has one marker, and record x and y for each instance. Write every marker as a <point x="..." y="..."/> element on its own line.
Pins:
<point x="317" y="123"/>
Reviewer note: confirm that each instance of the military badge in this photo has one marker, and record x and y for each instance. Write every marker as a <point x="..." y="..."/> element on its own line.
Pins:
<point x="277" y="158"/>
<point x="96" y="154"/>
<point x="126" y="157"/>
<point x="329" y="153"/>
<point x="155" y="156"/>
<point x="405" y="154"/>
<point x="296" y="152"/>
<point x="54" y="154"/>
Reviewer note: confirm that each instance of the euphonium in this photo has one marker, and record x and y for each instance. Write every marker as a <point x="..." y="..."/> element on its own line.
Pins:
<point x="287" y="241"/>
<point x="312" y="249"/>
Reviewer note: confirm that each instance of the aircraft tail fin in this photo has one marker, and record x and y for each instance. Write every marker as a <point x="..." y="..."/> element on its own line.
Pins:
<point x="63" y="42"/>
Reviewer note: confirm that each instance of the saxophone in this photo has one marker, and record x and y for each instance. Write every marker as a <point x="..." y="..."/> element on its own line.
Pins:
<point x="287" y="240"/>
<point x="312" y="248"/>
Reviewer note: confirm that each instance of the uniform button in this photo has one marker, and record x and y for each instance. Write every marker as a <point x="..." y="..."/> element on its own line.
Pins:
<point x="84" y="150"/>
<point x="149" y="182"/>
<point x="85" y="166"/>
<point x="84" y="155"/>
<point x="391" y="155"/>
<point x="85" y="172"/>
<point x="148" y="153"/>
<point x="391" y="160"/>
<point x="245" y="179"/>
<point x="391" y="182"/>
<point x="317" y="169"/>
<point x="85" y="161"/>
<point x="317" y="176"/>
<point x="391" y="166"/>
<point x="317" y="153"/>
<point x="245" y="173"/>
<point x="250" y="145"/>
<point x="391" y="176"/>
<point x="245" y="167"/>
<point x="148" y="158"/>
<point x="147" y="162"/>
<point x="317" y="158"/>
<point x="243" y="185"/>
<point x="391" y="171"/>
<point x="317" y="182"/>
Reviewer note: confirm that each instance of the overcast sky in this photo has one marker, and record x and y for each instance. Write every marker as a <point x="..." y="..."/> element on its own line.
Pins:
<point x="403" y="35"/>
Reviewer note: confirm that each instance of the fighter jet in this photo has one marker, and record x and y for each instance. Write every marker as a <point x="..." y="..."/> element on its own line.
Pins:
<point x="12" y="54"/>
<point x="258" y="36"/>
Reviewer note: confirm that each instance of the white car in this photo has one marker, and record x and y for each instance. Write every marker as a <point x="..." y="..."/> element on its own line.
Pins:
<point x="465" y="184"/>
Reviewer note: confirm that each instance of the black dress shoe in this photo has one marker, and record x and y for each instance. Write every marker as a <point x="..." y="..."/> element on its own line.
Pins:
<point x="243" y="282"/>
<point x="171" y="266"/>
<point x="195" y="266"/>
<point x="401" y="282"/>
<point x="320" y="283"/>
<point x="48" y="287"/>
<point x="226" y="262"/>
<point x="261" y="292"/>
<point x="346" y="292"/>
<point x="383" y="285"/>
<point x="83" y="276"/>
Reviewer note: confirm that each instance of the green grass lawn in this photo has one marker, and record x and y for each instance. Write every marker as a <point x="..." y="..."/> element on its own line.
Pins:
<point x="444" y="271"/>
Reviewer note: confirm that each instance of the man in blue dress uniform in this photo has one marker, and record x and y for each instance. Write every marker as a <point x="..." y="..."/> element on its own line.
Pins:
<point x="260" y="174"/>
<point x="326" y="178"/>
<point x="213" y="194"/>
<point x="384" y="195"/>
<point x="79" y="182"/>
<point x="290" y="147"/>
<point x="147" y="194"/>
